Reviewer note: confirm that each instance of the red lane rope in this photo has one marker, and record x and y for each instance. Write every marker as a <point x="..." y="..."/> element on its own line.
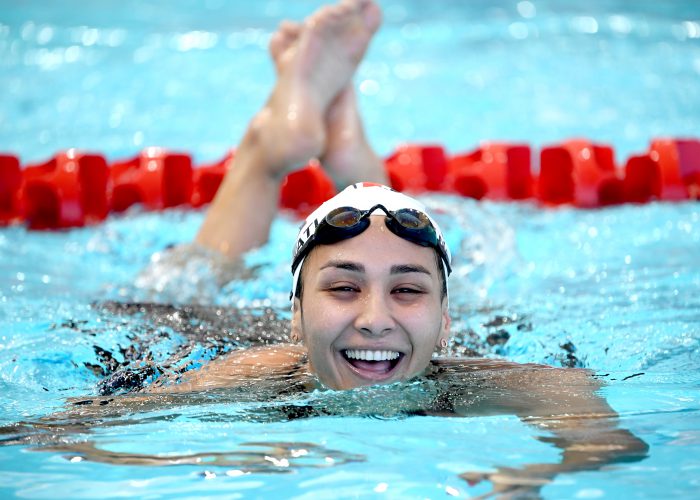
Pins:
<point x="75" y="188"/>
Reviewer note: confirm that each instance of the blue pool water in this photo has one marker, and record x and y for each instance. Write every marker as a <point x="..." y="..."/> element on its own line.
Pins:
<point x="614" y="290"/>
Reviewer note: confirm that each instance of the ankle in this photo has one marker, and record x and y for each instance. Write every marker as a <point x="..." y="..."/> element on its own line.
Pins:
<point x="355" y="162"/>
<point x="280" y="142"/>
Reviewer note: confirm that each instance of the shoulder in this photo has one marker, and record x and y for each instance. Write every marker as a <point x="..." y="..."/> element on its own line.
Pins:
<point x="485" y="364"/>
<point x="259" y="361"/>
<point x="494" y="386"/>
<point x="241" y="367"/>
<point x="508" y="373"/>
<point x="267" y="357"/>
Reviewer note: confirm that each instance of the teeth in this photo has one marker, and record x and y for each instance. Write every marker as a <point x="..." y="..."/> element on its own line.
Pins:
<point x="365" y="355"/>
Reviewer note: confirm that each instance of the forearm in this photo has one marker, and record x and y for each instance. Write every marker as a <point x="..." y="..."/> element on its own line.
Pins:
<point x="590" y="455"/>
<point x="581" y="422"/>
<point x="590" y="447"/>
<point x="565" y="405"/>
<point x="594" y="444"/>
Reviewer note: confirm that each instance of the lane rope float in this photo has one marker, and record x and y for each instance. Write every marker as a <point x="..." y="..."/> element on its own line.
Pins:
<point x="75" y="188"/>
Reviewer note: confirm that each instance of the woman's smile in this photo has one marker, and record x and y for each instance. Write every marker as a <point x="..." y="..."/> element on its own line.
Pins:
<point x="373" y="365"/>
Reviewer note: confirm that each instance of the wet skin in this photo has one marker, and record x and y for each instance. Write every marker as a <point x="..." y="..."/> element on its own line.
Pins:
<point x="371" y="310"/>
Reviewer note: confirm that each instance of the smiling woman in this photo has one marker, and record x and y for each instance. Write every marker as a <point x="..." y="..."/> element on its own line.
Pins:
<point x="371" y="284"/>
<point x="370" y="308"/>
<point x="370" y="266"/>
<point x="366" y="290"/>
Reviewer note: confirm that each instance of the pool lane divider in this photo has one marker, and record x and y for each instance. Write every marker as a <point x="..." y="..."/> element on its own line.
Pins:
<point x="75" y="188"/>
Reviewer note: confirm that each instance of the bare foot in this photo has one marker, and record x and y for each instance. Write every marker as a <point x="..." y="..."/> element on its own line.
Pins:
<point x="347" y="156"/>
<point x="312" y="70"/>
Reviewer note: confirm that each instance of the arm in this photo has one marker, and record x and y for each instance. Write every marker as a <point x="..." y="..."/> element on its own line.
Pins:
<point x="239" y="369"/>
<point x="241" y="374"/>
<point x="565" y="403"/>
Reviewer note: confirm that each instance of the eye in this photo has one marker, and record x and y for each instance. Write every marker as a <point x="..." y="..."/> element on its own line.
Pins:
<point x="343" y="288"/>
<point x="409" y="290"/>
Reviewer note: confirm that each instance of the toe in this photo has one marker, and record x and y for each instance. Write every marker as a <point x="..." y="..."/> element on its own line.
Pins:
<point x="290" y="28"/>
<point x="276" y="45"/>
<point x="371" y="15"/>
<point x="347" y="7"/>
<point x="320" y="16"/>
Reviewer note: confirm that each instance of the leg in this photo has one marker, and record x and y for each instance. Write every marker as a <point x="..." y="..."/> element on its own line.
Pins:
<point x="348" y="156"/>
<point x="290" y="129"/>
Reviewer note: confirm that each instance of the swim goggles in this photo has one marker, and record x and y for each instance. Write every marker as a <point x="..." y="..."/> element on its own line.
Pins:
<point x="347" y="215"/>
<point x="346" y="222"/>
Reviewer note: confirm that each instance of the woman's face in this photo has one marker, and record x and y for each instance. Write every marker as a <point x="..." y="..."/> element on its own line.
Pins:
<point x="371" y="310"/>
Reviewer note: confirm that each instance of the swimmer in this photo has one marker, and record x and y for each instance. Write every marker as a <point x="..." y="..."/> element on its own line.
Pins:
<point x="370" y="269"/>
<point x="370" y="301"/>
<point x="370" y="266"/>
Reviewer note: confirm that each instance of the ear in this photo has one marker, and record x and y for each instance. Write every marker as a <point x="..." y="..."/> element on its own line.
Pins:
<point x="297" y="331"/>
<point x="446" y="324"/>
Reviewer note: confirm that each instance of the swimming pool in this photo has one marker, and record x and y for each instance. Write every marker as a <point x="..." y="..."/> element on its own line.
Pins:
<point x="613" y="289"/>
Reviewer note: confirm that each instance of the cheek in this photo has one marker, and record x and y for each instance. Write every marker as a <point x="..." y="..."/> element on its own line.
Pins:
<point x="424" y="316"/>
<point x="319" y="326"/>
<point x="425" y="327"/>
<point x="319" y="347"/>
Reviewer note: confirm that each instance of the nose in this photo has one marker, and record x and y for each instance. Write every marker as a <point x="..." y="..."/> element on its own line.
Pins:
<point x="375" y="316"/>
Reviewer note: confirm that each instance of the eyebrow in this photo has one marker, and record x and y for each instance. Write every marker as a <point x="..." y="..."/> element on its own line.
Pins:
<point x="360" y="268"/>
<point x="344" y="264"/>
<point x="409" y="268"/>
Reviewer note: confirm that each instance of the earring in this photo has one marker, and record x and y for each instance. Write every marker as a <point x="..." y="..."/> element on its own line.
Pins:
<point x="443" y="343"/>
<point x="294" y="337"/>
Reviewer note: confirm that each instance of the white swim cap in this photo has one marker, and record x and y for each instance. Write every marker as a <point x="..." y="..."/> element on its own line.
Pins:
<point x="362" y="197"/>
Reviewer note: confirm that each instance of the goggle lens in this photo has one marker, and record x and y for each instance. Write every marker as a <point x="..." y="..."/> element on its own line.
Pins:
<point x="411" y="219"/>
<point x="344" y="217"/>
